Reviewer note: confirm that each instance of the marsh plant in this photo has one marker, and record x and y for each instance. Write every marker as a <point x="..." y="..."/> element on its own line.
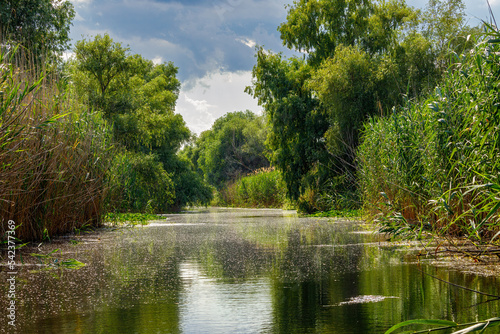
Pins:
<point x="433" y="164"/>
<point x="262" y="188"/>
<point x="52" y="154"/>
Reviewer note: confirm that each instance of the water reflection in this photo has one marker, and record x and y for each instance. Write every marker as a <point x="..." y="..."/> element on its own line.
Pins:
<point x="242" y="271"/>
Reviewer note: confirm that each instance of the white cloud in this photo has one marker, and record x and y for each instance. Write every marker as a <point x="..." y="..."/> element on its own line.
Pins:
<point x="248" y="42"/>
<point x="78" y="17"/>
<point x="157" y="60"/>
<point x="67" y="55"/>
<point x="203" y="100"/>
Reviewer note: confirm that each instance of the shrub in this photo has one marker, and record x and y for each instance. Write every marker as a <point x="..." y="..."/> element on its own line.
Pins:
<point x="262" y="188"/>
<point x="138" y="183"/>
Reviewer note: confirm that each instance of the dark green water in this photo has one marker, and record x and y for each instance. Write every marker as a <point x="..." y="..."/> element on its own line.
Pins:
<point x="242" y="271"/>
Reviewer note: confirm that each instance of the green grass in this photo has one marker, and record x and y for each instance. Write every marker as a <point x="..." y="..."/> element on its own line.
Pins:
<point x="346" y="213"/>
<point x="130" y="218"/>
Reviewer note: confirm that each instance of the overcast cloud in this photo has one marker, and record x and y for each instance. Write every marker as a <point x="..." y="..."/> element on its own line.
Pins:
<point x="211" y="42"/>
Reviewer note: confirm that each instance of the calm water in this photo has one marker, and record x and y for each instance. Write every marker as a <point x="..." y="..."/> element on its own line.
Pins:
<point x="242" y="271"/>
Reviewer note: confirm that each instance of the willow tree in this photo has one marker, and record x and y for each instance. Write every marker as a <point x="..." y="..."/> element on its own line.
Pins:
<point x="42" y="26"/>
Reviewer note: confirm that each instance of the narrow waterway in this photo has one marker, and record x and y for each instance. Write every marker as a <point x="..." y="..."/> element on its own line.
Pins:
<point x="242" y="271"/>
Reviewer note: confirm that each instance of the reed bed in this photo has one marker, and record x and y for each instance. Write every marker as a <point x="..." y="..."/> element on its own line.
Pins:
<point x="53" y="153"/>
<point x="434" y="164"/>
<point x="263" y="188"/>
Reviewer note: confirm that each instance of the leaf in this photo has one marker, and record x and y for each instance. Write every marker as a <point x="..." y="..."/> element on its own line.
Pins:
<point x="473" y="328"/>
<point x="422" y="322"/>
<point x="72" y="264"/>
<point x="480" y="326"/>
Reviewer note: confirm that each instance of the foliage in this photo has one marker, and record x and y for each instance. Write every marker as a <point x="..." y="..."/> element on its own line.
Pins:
<point x="318" y="27"/>
<point x="433" y="164"/>
<point x="295" y="118"/>
<point x="140" y="184"/>
<point x="262" y="188"/>
<point x="234" y="146"/>
<point x="361" y="56"/>
<point x="53" y="156"/>
<point x="103" y="60"/>
<point x="138" y="97"/>
<point x="42" y="26"/>
<point x="446" y="325"/>
<point x="130" y="218"/>
<point x="338" y="213"/>
<point x="52" y="262"/>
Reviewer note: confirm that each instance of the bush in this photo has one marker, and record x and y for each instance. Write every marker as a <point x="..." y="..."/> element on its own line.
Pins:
<point x="138" y="183"/>
<point x="263" y="188"/>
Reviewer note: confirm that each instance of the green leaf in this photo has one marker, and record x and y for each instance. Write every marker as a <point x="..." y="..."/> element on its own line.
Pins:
<point x="72" y="264"/>
<point x="422" y="322"/>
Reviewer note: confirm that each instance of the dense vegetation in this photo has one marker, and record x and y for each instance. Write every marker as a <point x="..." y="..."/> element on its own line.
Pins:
<point x="362" y="58"/>
<point x="433" y="164"/>
<point x="93" y="135"/>
<point x="355" y="122"/>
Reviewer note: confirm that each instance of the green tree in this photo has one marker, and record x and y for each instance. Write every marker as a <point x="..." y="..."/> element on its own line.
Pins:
<point x="347" y="85"/>
<point x="296" y="120"/>
<point x="318" y="27"/>
<point x="102" y="59"/>
<point x="40" y="25"/>
<point x="233" y="147"/>
<point x="138" y="97"/>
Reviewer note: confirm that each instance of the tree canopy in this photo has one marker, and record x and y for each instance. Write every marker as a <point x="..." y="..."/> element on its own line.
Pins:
<point x="40" y="25"/>
<point x="138" y="97"/>
<point x="233" y="147"/>
<point x="361" y="58"/>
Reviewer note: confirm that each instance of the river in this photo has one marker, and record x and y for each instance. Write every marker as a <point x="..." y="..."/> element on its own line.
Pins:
<point x="241" y="271"/>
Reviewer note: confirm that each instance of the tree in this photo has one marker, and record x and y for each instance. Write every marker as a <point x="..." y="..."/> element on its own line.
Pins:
<point x="103" y="60"/>
<point x="347" y="85"/>
<point x="138" y="97"/>
<point x="40" y="25"/>
<point x="318" y="27"/>
<point x="296" y="119"/>
<point x="316" y="106"/>
<point x="233" y="147"/>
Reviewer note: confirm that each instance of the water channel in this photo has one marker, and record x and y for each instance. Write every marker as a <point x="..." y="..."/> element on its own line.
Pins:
<point x="243" y="271"/>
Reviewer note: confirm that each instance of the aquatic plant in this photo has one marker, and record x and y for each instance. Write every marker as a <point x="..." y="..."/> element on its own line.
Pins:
<point x="53" y="155"/>
<point x="261" y="188"/>
<point x="130" y="218"/>
<point x="433" y="164"/>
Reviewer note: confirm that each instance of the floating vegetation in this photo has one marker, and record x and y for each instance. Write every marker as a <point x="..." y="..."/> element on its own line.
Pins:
<point x="362" y="300"/>
<point x="51" y="261"/>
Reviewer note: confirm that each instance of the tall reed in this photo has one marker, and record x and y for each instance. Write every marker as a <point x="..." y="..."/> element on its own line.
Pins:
<point x="53" y="154"/>
<point x="434" y="164"/>
<point x="263" y="188"/>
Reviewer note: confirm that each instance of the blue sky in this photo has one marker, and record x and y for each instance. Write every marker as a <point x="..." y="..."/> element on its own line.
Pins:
<point x="212" y="42"/>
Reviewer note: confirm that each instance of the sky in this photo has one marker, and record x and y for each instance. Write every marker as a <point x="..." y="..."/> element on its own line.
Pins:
<point x="212" y="42"/>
